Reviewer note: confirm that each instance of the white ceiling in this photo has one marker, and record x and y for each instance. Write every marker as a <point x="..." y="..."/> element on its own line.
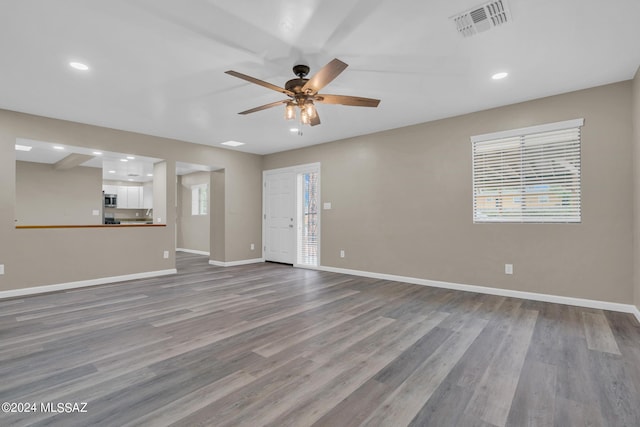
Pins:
<point x="115" y="166"/>
<point x="157" y="66"/>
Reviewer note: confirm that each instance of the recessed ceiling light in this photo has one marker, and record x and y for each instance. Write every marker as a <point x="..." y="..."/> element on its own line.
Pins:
<point x="23" y="147"/>
<point x="293" y="130"/>
<point x="149" y="174"/>
<point x="131" y="158"/>
<point x="79" y="66"/>
<point x="233" y="143"/>
<point x="124" y="160"/>
<point x="112" y="171"/>
<point x="58" y="147"/>
<point x="97" y="153"/>
<point x="499" y="76"/>
<point x="130" y="179"/>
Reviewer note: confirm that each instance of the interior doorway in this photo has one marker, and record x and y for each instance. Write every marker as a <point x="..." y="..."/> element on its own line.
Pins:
<point x="195" y="208"/>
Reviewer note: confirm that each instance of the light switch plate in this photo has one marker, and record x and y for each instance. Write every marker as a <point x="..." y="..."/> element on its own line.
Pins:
<point x="165" y="255"/>
<point x="508" y="269"/>
<point x="326" y="206"/>
<point x="95" y="212"/>
<point x="1" y="269"/>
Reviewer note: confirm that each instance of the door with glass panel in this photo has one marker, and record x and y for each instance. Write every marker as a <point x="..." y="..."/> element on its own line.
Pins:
<point x="291" y="215"/>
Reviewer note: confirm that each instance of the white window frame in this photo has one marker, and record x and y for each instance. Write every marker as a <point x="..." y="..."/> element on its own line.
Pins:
<point x="196" y="206"/>
<point x="546" y="140"/>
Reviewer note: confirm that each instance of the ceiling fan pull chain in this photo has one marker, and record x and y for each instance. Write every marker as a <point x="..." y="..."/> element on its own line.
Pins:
<point x="300" y="125"/>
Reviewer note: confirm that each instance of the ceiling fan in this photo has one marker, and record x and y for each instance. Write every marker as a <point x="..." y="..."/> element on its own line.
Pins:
<point x="303" y="92"/>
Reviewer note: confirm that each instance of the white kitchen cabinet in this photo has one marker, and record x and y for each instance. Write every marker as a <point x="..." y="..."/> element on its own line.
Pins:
<point x="122" y="202"/>
<point x="110" y="189"/>
<point x="129" y="197"/>
<point x="134" y="199"/>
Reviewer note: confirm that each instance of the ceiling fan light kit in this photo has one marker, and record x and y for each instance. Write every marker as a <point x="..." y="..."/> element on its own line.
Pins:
<point x="290" y="111"/>
<point x="303" y="93"/>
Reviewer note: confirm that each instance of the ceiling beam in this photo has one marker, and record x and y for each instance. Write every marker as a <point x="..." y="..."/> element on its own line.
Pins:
<point x="71" y="161"/>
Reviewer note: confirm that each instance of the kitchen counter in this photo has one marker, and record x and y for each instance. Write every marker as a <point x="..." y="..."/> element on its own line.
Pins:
<point x="90" y="226"/>
<point x="127" y="222"/>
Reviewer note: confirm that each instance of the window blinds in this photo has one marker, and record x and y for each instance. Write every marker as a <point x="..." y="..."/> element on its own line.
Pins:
<point x="308" y="234"/>
<point x="528" y="175"/>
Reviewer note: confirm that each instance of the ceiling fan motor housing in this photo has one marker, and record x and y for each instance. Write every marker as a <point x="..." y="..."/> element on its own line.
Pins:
<point x="295" y="85"/>
<point x="301" y="70"/>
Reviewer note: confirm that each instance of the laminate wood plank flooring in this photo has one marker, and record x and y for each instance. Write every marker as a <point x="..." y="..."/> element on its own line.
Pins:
<point x="270" y="345"/>
<point x="598" y="333"/>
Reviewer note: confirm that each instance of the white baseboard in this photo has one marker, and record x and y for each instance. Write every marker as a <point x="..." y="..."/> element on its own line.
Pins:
<point x="234" y="263"/>
<point x="83" y="283"/>
<point x="580" y="302"/>
<point x="192" y="251"/>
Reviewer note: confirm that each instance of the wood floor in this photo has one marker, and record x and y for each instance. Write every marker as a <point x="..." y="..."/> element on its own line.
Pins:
<point x="267" y="344"/>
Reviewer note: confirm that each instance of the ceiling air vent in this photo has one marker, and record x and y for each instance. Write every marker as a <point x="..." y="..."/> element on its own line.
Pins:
<point x="482" y="18"/>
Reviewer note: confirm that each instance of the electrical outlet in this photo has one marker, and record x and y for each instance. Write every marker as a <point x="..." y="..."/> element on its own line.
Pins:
<point x="165" y="255"/>
<point x="341" y="253"/>
<point x="253" y="247"/>
<point x="508" y="269"/>
<point x="1" y="269"/>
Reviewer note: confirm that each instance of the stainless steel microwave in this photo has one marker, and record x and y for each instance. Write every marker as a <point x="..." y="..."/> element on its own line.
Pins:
<point x="110" y="200"/>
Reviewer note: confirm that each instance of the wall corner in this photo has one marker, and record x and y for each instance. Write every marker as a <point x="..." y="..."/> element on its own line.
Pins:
<point x="635" y="118"/>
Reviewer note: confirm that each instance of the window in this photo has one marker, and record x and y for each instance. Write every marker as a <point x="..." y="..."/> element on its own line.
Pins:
<point x="528" y="175"/>
<point x="199" y="199"/>
<point x="308" y="231"/>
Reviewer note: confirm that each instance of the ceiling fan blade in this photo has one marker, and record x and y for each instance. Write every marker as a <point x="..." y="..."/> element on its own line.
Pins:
<point x="354" y="101"/>
<point x="264" y="107"/>
<point x="324" y="76"/>
<point x="259" y="82"/>
<point x="315" y="120"/>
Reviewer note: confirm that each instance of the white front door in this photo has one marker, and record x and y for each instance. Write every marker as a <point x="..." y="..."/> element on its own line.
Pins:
<point x="279" y="217"/>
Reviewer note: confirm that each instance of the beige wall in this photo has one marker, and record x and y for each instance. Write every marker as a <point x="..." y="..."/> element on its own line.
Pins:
<point x="47" y="196"/>
<point x="402" y="203"/>
<point x="218" y="215"/>
<point x="193" y="230"/>
<point x="52" y="256"/>
<point x="636" y="186"/>
<point x="161" y="201"/>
